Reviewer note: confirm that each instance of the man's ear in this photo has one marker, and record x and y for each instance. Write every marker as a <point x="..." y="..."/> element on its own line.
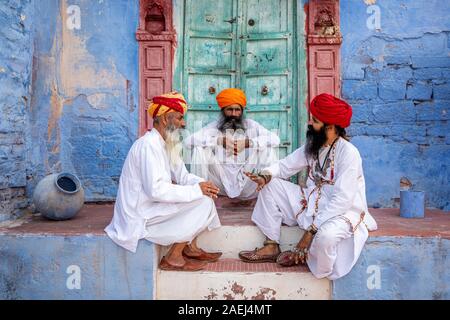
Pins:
<point x="164" y="119"/>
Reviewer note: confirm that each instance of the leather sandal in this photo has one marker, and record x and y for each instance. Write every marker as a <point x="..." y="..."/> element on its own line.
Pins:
<point x="189" y="265"/>
<point x="202" y="255"/>
<point x="253" y="257"/>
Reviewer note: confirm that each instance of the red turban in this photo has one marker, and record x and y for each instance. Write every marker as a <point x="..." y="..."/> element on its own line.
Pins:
<point x="166" y="103"/>
<point x="331" y="110"/>
<point x="231" y="96"/>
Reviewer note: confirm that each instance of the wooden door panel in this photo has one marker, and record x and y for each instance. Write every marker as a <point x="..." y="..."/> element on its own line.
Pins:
<point x="199" y="88"/>
<point x="267" y="16"/>
<point x="266" y="90"/>
<point x="211" y="53"/>
<point x="210" y="15"/>
<point x="223" y="49"/>
<point x="265" y="55"/>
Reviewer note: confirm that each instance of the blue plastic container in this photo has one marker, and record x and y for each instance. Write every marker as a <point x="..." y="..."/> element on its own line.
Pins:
<point x="412" y="204"/>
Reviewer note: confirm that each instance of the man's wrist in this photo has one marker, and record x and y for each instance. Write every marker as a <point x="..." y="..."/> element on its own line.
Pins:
<point x="312" y="229"/>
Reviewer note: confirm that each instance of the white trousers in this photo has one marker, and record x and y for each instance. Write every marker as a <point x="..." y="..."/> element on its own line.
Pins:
<point x="227" y="173"/>
<point x="183" y="225"/>
<point x="331" y="251"/>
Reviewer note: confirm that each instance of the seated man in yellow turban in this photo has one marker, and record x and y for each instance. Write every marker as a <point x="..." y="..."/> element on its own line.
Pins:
<point x="158" y="200"/>
<point x="230" y="146"/>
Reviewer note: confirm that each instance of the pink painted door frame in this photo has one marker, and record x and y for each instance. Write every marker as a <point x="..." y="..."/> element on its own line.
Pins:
<point x="157" y="38"/>
<point x="324" y="42"/>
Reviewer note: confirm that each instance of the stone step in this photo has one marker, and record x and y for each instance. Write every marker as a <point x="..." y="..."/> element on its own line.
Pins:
<point x="232" y="279"/>
<point x="232" y="239"/>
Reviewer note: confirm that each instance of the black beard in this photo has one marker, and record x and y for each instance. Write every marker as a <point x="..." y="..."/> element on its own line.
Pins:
<point x="231" y="123"/>
<point x="314" y="141"/>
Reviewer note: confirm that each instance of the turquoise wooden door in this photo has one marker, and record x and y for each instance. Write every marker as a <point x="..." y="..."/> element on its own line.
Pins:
<point x="247" y="44"/>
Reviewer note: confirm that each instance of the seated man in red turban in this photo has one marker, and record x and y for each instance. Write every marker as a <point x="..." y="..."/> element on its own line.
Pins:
<point x="225" y="149"/>
<point x="151" y="206"/>
<point x="331" y="209"/>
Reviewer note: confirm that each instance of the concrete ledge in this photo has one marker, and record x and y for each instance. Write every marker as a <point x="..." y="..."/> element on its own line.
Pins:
<point x="73" y="267"/>
<point x="40" y="259"/>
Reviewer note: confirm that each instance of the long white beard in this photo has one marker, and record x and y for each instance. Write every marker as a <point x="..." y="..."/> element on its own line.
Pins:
<point x="174" y="147"/>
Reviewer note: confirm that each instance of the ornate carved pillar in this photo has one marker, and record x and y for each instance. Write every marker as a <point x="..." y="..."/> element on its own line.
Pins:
<point x="324" y="41"/>
<point x="156" y="37"/>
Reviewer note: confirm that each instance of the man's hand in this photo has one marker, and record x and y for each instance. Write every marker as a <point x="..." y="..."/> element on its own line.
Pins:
<point x="259" y="180"/>
<point x="209" y="189"/>
<point x="302" y="248"/>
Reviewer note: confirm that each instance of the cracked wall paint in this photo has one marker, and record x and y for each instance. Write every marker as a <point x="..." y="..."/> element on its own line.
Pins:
<point x="398" y="80"/>
<point x="85" y="88"/>
<point x="16" y="20"/>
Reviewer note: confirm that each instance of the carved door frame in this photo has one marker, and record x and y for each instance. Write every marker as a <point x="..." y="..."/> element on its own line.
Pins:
<point x="157" y="39"/>
<point x="323" y="41"/>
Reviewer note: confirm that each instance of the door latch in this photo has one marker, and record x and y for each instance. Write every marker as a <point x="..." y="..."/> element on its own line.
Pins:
<point x="233" y="20"/>
<point x="212" y="90"/>
<point x="264" y="90"/>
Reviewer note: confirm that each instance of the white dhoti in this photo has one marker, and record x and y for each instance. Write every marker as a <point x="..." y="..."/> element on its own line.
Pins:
<point x="183" y="224"/>
<point x="227" y="172"/>
<point x="334" y="249"/>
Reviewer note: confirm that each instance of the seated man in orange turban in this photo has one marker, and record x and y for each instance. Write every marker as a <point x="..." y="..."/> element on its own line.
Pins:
<point x="331" y="209"/>
<point x="225" y="149"/>
<point x="151" y="206"/>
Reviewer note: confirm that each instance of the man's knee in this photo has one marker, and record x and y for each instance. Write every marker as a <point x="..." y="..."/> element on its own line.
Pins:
<point x="326" y="237"/>
<point x="273" y="184"/>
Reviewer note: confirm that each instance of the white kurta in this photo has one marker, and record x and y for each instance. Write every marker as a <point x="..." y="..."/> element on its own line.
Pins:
<point x="335" y="248"/>
<point x="149" y="205"/>
<point x="211" y="161"/>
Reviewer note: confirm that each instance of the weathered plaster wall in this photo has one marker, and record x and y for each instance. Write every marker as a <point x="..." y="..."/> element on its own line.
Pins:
<point x="84" y="113"/>
<point x="397" y="78"/>
<point x="398" y="268"/>
<point x="75" y="267"/>
<point x="15" y="78"/>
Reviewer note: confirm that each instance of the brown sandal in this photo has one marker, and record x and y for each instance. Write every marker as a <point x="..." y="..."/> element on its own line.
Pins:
<point x="253" y="257"/>
<point x="202" y="255"/>
<point x="190" y="265"/>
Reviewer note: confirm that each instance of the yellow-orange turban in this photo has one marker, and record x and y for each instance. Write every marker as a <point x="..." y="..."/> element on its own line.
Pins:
<point x="231" y="96"/>
<point x="168" y="102"/>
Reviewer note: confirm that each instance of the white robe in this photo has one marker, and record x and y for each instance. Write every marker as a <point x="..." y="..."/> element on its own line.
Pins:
<point x="335" y="248"/>
<point x="211" y="161"/>
<point x="150" y="206"/>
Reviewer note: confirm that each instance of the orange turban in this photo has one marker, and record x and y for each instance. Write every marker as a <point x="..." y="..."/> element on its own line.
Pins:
<point x="168" y="102"/>
<point x="231" y="96"/>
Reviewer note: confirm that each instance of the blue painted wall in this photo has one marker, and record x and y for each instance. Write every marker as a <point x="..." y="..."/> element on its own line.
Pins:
<point x="15" y="76"/>
<point x="69" y="96"/>
<point x="84" y="113"/>
<point x="397" y="78"/>
<point x="75" y="267"/>
<point x="398" y="268"/>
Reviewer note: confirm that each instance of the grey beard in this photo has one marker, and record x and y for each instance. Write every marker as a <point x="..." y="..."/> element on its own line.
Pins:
<point x="174" y="146"/>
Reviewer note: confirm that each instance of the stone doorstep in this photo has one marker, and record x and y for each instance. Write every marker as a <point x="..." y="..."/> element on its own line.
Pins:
<point x="232" y="279"/>
<point x="232" y="239"/>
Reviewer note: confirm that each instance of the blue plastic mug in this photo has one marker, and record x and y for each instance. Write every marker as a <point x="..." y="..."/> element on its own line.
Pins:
<point x="412" y="204"/>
